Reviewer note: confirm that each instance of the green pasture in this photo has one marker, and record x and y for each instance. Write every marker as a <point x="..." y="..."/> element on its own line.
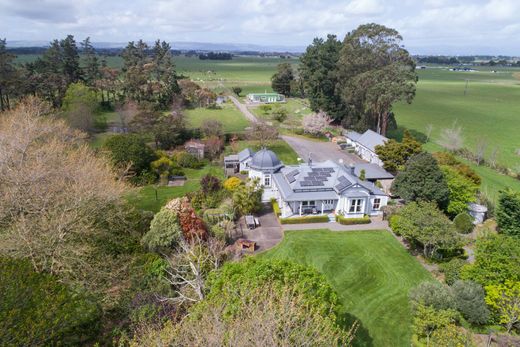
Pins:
<point x="489" y="110"/>
<point x="231" y="118"/>
<point x="371" y="272"/>
<point x="296" y="108"/>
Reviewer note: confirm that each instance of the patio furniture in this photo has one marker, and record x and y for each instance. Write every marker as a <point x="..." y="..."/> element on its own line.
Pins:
<point x="250" y="221"/>
<point x="257" y="222"/>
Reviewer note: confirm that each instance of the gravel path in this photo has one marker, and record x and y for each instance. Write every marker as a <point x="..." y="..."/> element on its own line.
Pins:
<point x="245" y="111"/>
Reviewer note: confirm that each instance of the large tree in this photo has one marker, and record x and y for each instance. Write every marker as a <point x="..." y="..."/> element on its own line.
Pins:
<point x="281" y="80"/>
<point x="318" y="72"/>
<point x="79" y="107"/>
<point x="374" y="72"/>
<point x="8" y="76"/>
<point x="462" y="191"/>
<point x="91" y="70"/>
<point x="422" y="179"/>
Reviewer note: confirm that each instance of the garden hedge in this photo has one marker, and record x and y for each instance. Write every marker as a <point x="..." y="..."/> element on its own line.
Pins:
<point x="303" y="220"/>
<point x="352" y="221"/>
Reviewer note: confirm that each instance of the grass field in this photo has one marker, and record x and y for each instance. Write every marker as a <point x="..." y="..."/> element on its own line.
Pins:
<point x="144" y="198"/>
<point x="490" y="110"/>
<point x="231" y="118"/>
<point x="371" y="272"/>
<point x="296" y="108"/>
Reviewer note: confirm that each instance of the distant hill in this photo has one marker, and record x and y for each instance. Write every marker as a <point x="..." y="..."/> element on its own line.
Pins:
<point x="178" y="45"/>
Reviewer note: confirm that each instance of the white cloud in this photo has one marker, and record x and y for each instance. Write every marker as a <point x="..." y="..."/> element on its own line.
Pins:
<point x="429" y="24"/>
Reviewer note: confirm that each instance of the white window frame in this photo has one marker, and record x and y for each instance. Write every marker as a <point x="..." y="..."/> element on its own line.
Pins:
<point x="377" y="201"/>
<point x="356" y="205"/>
<point x="267" y="180"/>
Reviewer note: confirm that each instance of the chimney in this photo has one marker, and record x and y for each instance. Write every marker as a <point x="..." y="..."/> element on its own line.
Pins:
<point x="352" y="169"/>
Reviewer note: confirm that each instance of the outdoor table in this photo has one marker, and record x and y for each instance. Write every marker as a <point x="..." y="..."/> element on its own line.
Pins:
<point x="250" y="221"/>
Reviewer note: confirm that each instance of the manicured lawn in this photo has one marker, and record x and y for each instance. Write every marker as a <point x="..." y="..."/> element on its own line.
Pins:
<point x="296" y="109"/>
<point x="371" y="272"/>
<point x="144" y="198"/>
<point x="284" y="152"/>
<point x="231" y="118"/>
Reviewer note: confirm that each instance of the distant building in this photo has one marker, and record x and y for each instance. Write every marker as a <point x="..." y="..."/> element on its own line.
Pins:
<point x="375" y="173"/>
<point x="265" y="98"/>
<point x="195" y="148"/>
<point x="365" y="144"/>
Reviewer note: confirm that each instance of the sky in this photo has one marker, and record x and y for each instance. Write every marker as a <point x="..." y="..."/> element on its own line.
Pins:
<point x="427" y="27"/>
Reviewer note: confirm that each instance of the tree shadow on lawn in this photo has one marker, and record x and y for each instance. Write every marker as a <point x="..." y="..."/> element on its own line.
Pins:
<point x="397" y="134"/>
<point x="362" y="336"/>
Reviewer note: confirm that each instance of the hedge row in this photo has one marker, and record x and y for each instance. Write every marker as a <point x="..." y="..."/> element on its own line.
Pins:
<point x="303" y="220"/>
<point x="276" y="208"/>
<point x="351" y="221"/>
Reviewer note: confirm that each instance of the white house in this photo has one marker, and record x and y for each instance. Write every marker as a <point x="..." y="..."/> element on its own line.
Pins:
<point x="315" y="188"/>
<point x="236" y="163"/>
<point x="265" y="98"/>
<point x="365" y="144"/>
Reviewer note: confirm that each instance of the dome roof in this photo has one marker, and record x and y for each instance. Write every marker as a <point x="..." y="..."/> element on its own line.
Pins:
<point x="265" y="160"/>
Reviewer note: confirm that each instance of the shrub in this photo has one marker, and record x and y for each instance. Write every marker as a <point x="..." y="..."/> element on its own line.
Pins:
<point x="469" y="299"/>
<point x="504" y="301"/>
<point x="508" y="213"/>
<point x="463" y="223"/>
<point x="36" y="309"/>
<point x="187" y="160"/>
<point x="164" y="231"/>
<point x="432" y="294"/>
<point x="130" y="149"/>
<point x="276" y="208"/>
<point x="303" y="220"/>
<point x="192" y="226"/>
<point x="393" y="222"/>
<point x="231" y="183"/>
<point x="462" y="191"/>
<point x="452" y="270"/>
<point x="210" y="184"/>
<point x="352" y="221"/>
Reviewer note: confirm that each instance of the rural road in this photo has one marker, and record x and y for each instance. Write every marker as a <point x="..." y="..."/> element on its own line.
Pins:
<point x="243" y="108"/>
<point x="320" y="151"/>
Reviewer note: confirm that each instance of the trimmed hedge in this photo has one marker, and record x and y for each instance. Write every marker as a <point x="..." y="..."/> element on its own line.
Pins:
<point x="276" y="208"/>
<point x="303" y="220"/>
<point x="351" y="221"/>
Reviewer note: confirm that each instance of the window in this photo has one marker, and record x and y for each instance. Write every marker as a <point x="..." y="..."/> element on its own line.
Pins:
<point x="308" y="203"/>
<point x="267" y="180"/>
<point x="377" y="204"/>
<point x="328" y="202"/>
<point x="356" y="206"/>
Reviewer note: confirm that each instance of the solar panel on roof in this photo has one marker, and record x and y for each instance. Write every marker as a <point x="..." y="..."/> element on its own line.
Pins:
<point x="293" y="172"/>
<point x="341" y="186"/>
<point x="342" y="179"/>
<point x="291" y="179"/>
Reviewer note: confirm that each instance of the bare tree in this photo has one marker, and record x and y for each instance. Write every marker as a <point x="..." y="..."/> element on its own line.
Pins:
<point x="55" y="192"/>
<point x="429" y="129"/>
<point x="480" y="150"/>
<point x="451" y="138"/>
<point x="493" y="157"/>
<point x="263" y="133"/>
<point x="190" y="266"/>
<point x="127" y="112"/>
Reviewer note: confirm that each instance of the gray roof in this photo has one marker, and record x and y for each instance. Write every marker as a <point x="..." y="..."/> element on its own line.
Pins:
<point x="370" y="139"/>
<point x="266" y="160"/>
<point x="325" y="180"/>
<point x="245" y="154"/>
<point x="353" y="135"/>
<point x="372" y="171"/>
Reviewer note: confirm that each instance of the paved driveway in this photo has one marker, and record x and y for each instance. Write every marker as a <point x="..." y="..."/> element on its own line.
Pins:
<point x="320" y="151"/>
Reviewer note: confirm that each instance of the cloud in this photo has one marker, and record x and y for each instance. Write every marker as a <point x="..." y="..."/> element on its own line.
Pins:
<point x="436" y="25"/>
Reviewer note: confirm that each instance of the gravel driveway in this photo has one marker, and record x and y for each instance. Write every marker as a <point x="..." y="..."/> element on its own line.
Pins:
<point x="320" y="151"/>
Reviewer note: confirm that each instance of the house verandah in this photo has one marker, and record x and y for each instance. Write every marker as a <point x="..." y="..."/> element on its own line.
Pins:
<point x="348" y="206"/>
